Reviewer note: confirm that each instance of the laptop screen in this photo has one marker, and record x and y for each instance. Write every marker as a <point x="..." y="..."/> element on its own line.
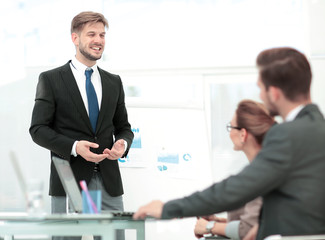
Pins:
<point x="69" y="182"/>
<point x="19" y="174"/>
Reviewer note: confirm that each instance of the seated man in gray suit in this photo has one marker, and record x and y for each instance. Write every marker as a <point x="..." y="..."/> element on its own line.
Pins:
<point x="288" y="172"/>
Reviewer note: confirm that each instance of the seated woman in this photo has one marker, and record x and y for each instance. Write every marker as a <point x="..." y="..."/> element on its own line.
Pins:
<point x="247" y="129"/>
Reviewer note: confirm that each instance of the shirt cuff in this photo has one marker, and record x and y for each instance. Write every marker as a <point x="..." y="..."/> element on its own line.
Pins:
<point x="232" y="230"/>
<point x="74" y="149"/>
<point x="125" y="145"/>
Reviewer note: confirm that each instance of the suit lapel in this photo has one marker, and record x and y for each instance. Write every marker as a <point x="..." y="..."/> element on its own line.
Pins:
<point x="73" y="89"/>
<point x="310" y="109"/>
<point x="105" y="99"/>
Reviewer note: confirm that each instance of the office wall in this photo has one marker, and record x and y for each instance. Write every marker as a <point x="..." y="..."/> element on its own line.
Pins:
<point x="316" y="48"/>
<point x="16" y="103"/>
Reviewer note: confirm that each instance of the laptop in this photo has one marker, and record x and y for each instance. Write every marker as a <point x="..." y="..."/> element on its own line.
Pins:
<point x="65" y="174"/>
<point x="19" y="174"/>
<point x="69" y="183"/>
<point x="72" y="190"/>
<point x="32" y="189"/>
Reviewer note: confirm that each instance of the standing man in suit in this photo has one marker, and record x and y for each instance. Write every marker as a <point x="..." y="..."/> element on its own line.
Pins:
<point x="289" y="170"/>
<point x="80" y="115"/>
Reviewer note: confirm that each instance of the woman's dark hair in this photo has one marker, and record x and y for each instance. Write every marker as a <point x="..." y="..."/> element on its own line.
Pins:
<point x="255" y="118"/>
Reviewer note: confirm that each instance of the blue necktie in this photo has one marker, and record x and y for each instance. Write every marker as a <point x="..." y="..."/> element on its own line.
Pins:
<point x="92" y="99"/>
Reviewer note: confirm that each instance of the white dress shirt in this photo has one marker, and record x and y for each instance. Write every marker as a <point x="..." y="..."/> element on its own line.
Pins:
<point x="78" y="70"/>
<point x="293" y="113"/>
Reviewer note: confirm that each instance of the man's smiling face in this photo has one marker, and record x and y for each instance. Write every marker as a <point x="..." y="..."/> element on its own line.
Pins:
<point x="90" y="43"/>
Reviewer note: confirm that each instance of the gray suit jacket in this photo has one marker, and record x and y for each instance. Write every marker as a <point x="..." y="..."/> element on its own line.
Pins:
<point x="60" y="118"/>
<point x="289" y="172"/>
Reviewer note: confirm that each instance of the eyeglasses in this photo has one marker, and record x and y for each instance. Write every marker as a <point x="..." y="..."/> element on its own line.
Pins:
<point x="229" y="127"/>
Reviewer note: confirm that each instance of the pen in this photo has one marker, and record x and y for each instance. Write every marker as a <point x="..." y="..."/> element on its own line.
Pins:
<point x="91" y="205"/>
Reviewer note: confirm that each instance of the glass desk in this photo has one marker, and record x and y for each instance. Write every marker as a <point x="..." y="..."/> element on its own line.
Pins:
<point x="68" y="225"/>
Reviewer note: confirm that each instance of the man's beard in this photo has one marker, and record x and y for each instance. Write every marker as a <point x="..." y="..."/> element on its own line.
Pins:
<point x="88" y="55"/>
<point x="272" y="109"/>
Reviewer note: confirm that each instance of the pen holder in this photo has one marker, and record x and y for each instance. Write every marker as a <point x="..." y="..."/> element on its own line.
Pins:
<point x="96" y="196"/>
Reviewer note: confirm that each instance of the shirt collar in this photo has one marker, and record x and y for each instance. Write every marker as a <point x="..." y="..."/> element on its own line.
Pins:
<point x="293" y="113"/>
<point x="80" y="67"/>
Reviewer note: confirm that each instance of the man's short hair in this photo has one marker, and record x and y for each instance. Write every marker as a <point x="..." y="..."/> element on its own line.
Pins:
<point x="287" y="69"/>
<point x="79" y="21"/>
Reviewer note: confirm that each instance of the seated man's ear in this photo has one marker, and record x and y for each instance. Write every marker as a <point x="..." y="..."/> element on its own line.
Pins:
<point x="274" y="93"/>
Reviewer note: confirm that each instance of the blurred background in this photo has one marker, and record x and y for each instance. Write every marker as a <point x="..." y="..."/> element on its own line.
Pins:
<point x="185" y="64"/>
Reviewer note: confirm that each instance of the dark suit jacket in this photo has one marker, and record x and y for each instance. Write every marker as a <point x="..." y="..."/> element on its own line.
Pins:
<point x="289" y="172"/>
<point x="60" y="118"/>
